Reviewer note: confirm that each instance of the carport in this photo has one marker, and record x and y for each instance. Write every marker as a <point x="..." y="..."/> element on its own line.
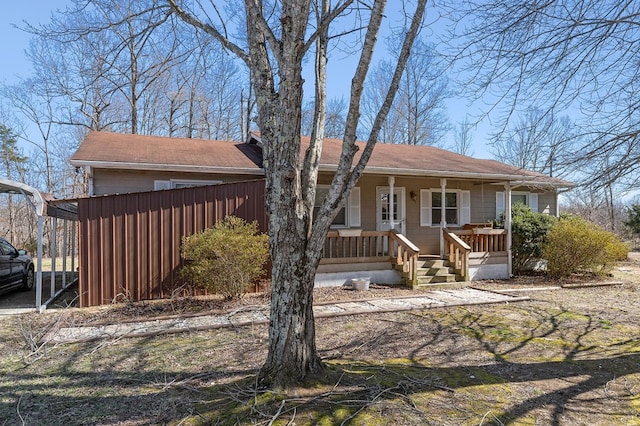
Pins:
<point x="56" y="210"/>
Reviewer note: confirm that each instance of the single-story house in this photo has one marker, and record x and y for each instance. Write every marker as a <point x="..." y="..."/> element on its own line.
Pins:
<point x="414" y="205"/>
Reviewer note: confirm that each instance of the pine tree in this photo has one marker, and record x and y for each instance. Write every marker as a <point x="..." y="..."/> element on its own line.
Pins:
<point x="13" y="165"/>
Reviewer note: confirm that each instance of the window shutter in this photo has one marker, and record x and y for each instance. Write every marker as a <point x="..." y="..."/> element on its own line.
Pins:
<point x="425" y="207"/>
<point x="161" y="184"/>
<point x="533" y="201"/>
<point x="465" y="207"/>
<point x="354" y="208"/>
<point x="499" y="203"/>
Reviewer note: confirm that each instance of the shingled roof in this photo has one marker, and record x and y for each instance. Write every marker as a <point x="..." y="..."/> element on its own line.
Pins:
<point x="141" y="152"/>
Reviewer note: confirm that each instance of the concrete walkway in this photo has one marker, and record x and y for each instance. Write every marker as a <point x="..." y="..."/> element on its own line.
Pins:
<point x="260" y="315"/>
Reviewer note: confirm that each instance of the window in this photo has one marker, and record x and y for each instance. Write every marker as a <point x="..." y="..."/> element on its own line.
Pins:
<point x="384" y="205"/>
<point x="348" y="215"/>
<point x="519" y="198"/>
<point x="182" y="183"/>
<point x="451" y="208"/>
<point x="456" y="204"/>
<point x="527" y="198"/>
<point x="321" y="194"/>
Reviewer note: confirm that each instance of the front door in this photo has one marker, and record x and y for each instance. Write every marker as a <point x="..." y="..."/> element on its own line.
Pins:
<point x="383" y="213"/>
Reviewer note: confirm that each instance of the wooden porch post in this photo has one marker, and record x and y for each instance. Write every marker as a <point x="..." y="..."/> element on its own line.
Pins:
<point x="507" y="224"/>
<point x="392" y="181"/>
<point x="443" y="213"/>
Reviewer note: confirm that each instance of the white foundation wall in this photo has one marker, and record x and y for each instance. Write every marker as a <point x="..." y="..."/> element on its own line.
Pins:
<point x="332" y="276"/>
<point x="337" y="279"/>
<point x="489" y="272"/>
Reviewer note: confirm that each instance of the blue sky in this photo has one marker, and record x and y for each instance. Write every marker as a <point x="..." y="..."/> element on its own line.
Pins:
<point x="15" y="42"/>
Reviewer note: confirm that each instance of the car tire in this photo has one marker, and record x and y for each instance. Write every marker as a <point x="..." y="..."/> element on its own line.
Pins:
<point x="28" y="280"/>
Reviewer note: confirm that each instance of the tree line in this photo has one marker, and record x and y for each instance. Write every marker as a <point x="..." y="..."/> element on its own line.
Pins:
<point x="134" y="67"/>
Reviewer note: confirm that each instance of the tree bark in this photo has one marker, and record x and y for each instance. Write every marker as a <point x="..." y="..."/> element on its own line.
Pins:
<point x="296" y="238"/>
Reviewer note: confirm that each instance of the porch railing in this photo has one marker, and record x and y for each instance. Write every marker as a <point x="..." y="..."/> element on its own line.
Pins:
<point x="406" y="255"/>
<point x="483" y="239"/>
<point x="458" y="251"/>
<point x="356" y="246"/>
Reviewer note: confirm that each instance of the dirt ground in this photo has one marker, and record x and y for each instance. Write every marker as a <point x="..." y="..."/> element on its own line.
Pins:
<point x="27" y="299"/>
<point x="567" y="357"/>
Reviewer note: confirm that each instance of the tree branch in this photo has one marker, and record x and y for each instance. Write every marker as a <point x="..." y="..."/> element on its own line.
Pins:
<point x="211" y="30"/>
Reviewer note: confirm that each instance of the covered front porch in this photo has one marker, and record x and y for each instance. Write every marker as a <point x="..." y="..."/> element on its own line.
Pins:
<point x="388" y="257"/>
<point x="423" y="237"/>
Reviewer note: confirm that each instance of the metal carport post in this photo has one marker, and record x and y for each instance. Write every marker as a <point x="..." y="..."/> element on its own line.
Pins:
<point x="9" y="186"/>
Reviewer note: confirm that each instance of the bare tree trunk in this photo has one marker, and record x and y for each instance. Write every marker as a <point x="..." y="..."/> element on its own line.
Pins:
<point x="295" y="236"/>
<point x="134" y="80"/>
<point x="244" y="134"/>
<point x="292" y="343"/>
<point x="292" y="352"/>
<point x="611" y="207"/>
<point x="292" y="346"/>
<point x="10" y="201"/>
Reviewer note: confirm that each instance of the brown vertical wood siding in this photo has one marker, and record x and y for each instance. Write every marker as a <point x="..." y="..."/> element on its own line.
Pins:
<point x="130" y="244"/>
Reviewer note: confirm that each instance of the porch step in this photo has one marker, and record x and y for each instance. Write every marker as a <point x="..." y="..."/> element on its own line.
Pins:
<point x="432" y="262"/>
<point x="442" y="286"/>
<point x="429" y="264"/>
<point x="434" y="272"/>
<point x="434" y="279"/>
<point x="441" y="268"/>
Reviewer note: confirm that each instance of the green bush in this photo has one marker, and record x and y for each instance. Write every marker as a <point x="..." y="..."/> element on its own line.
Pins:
<point x="633" y="219"/>
<point x="575" y="245"/>
<point x="633" y="222"/>
<point x="226" y="258"/>
<point x="528" y="234"/>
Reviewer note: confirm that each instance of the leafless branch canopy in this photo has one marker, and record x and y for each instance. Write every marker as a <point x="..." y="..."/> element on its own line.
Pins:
<point x="575" y="57"/>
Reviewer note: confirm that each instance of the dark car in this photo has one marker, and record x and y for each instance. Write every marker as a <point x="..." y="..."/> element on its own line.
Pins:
<point x="16" y="268"/>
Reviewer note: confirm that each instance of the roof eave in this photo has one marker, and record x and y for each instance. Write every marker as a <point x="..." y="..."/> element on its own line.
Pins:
<point x="188" y="168"/>
<point x="512" y="178"/>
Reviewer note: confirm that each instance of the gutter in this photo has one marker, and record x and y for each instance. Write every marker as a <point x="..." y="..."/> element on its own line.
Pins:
<point x="518" y="179"/>
<point x="168" y="167"/>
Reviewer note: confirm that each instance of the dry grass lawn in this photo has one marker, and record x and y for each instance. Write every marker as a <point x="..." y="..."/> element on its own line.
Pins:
<point x="567" y="357"/>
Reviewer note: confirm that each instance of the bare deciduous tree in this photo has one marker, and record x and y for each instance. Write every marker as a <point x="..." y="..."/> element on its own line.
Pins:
<point x="418" y="115"/>
<point x="335" y="118"/>
<point x="131" y="66"/>
<point x="30" y="99"/>
<point x="463" y="138"/>
<point x="277" y="38"/>
<point x="13" y="163"/>
<point x="577" y="56"/>
<point x="537" y="141"/>
<point x="597" y="205"/>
